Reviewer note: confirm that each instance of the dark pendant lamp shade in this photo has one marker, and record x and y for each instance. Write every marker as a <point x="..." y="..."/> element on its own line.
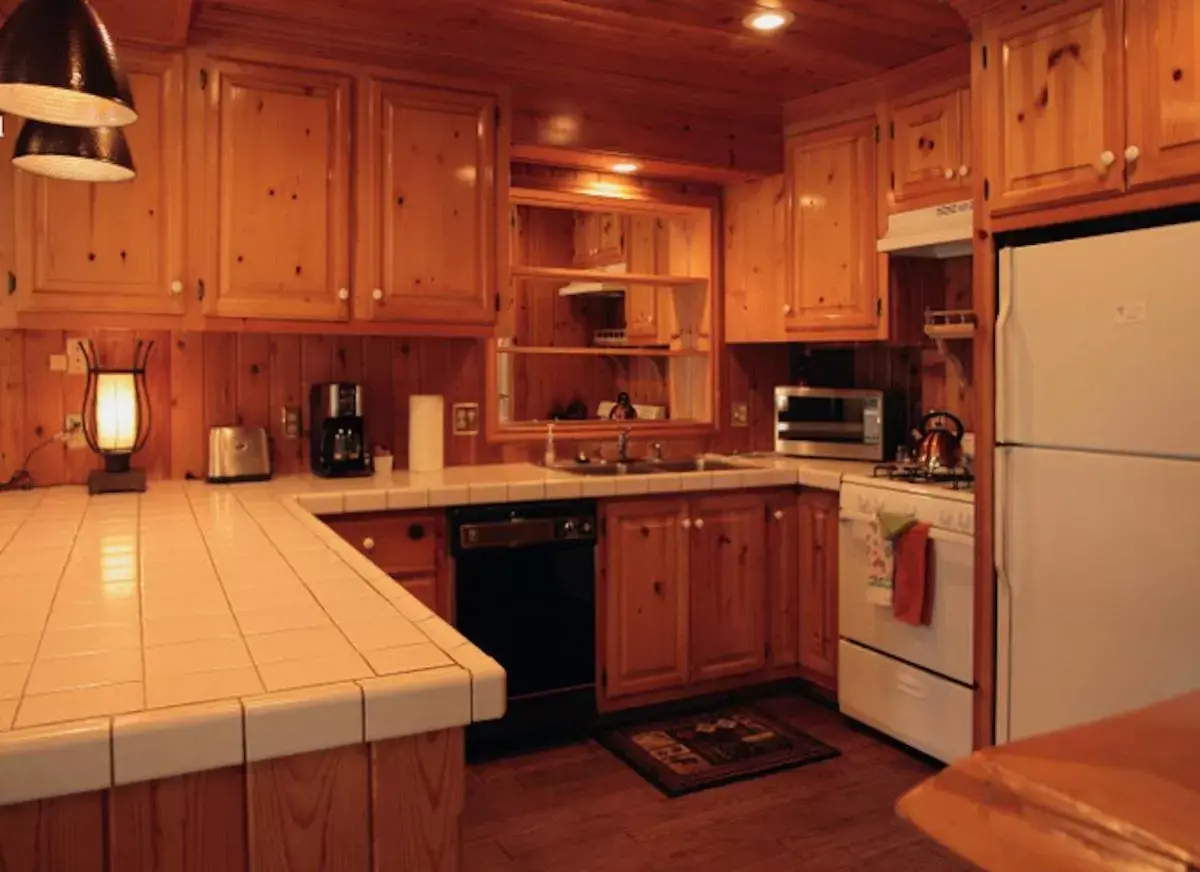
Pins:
<point x="77" y="154"/>
<point x="58" y="65"/>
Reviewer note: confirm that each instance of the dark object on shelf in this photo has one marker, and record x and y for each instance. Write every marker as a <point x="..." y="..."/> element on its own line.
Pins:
<point x="117" y="419"/>
<point x="58" y="65"/>
<point x="714" y="747"/>
<point x="940" y="447"/>
<point x="623" y="410"/>
<point x="337" y="441"/>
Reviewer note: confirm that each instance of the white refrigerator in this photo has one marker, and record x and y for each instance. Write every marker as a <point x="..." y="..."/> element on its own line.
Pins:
<point x="1097" y="522"/>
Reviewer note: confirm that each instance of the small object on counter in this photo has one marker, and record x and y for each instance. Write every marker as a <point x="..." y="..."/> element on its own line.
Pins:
<point x="237" y="454"/>
<point x="337" y="434"/>
<point x="577" y="410"/>
<point x="940" y="447"/>
<point x="623" y="410"/>
<point x="548" y="457"/>
<point x="116" y="419"/>
<point x="582" y="457"/>
<point x="426" y="428"/>
<point x="384" y="462"/>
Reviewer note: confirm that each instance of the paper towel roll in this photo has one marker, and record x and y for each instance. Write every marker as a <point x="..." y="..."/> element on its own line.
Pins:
<point x="426" y="432"/>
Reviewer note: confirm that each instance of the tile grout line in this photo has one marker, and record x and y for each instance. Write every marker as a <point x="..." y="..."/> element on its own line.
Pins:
<point x="50" y="611"/>
<point x="225" y="595"/>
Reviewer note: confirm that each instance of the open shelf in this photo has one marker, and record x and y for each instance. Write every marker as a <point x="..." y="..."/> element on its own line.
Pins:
<point x="567" y="274"/>
<point x="605" y="351"/>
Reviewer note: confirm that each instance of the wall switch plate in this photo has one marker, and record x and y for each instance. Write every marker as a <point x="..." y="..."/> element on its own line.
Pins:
<point x="290" y="415"/>
<point x="73" y="427"/>
<point x="76" y="361"/>
<point x="739" y="414"/>
<point x="466" y="419"/>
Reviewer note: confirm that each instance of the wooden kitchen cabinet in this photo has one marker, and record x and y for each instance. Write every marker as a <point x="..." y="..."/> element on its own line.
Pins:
<point x="833" y="280"/>
<point x="112" y="247"/>
<point x="271" y="157"/>
<point x="599" y="239"/>
<point x="645" y="597"/>
<point x="929" y="149"/>
<point x="818" y="545"/>
<point x="728" y="582"/>
<point x="783" y="580"/>
<point x="1055" y="99"/>
<point x="408" y="546"/>
<point x="428" y="214"/>
<point x="1163" y="80"/>
<point x="756" y="245"/>
<point x="646" y="306"/>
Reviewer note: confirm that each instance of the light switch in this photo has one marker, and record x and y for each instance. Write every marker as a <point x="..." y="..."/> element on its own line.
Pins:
<point x="466" y="419"/>
<point x="739" y="414"/>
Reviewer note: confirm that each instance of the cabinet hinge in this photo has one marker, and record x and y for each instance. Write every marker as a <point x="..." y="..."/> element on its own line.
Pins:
<point x="879" y="308"/>
<point x="876" y="134"/>
<point x="12" y="283"/>
<point x="497" y="301"/>
<point x="200" y="290"/>
<point x="891" y="130"/>
<point x="497" y="116"/>
<point x="987" y="189"/>
<point x="893" y="181"/>
<point x="203" y="79"/>
<point x="984" y="50"/>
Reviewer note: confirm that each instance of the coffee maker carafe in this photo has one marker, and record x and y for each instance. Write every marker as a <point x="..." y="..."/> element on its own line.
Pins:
<point x="338" y="447"/>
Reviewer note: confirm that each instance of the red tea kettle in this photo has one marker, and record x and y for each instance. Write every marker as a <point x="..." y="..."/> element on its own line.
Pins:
<point x="939" y="448"/>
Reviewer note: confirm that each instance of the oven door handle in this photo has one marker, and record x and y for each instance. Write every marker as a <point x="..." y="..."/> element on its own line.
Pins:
<point x="936" y="534"/>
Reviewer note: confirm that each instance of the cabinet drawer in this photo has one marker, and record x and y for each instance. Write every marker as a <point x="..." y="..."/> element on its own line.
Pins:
<point x="397" y="544"/>
<point x="929" y="713"/>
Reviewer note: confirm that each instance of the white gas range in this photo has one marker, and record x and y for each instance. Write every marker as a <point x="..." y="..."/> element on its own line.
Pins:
<point x="915" y="684"/>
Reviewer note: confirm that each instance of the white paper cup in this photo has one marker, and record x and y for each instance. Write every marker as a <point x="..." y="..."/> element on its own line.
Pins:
<point x="383" y="466"/>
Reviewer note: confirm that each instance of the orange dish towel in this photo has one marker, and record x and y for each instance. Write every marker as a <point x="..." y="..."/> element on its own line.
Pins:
<point x="912" y="601"/>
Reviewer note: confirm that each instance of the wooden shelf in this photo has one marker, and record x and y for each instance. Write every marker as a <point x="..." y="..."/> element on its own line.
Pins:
<point x="598" y="275"/>
<point x="606" y="351"/>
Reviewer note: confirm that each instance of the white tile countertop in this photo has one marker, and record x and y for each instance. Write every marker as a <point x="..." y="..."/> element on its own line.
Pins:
<point x="197" y="626"/>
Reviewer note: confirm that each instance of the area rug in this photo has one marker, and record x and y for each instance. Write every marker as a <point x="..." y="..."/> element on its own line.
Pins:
<point x="713" y="747"/>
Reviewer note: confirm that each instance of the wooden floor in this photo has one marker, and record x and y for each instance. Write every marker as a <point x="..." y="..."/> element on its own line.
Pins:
<point x="580" y="809"/>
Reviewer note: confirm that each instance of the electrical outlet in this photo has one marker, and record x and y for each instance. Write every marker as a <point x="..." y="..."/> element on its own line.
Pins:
<point x="73" y="427"/>
<point x="466" y="419"/>
<point x="739" y="413"/>
<point x="76" y="360"/>
<point x="291" y="422"/>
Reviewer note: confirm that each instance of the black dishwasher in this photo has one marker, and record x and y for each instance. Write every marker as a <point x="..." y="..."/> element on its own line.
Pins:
<point x="525" y="593"/>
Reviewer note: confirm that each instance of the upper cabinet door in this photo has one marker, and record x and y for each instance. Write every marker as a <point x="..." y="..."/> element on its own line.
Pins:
<point x="275" y="146"/>
<point x="756" y="260"/>
<point x="1164" y="90"/>
<point x="926" y="143"/>
<point x="831" y="178"/>
<point x="1056" y="101"/>
<point x="113" y="247"/>
<point x="434" y="169"/>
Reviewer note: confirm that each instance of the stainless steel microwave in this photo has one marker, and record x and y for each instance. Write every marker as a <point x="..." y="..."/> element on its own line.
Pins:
<point x="837" y="423"/>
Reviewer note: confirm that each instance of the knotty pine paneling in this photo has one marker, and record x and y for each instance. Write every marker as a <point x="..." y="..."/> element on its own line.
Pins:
<point x="197" y="380"/>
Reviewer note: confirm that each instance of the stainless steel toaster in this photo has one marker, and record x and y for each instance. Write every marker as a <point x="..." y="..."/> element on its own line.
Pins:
<point x="238" y="454"/>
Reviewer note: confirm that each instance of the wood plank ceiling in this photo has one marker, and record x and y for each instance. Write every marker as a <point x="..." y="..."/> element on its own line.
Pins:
<point x="685" y="75"/>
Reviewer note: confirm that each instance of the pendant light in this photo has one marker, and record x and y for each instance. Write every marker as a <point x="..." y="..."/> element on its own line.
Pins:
<point x="58" y="65"/>
<point x="77" y="154"/>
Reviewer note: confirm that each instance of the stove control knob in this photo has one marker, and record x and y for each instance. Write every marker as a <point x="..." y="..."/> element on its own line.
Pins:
<point x="568" y="528"/>
<point x="965" y="522"/>
<point x="586" y="528"/>
<point x="945" y="519"/>
<point x="864" y="504"/>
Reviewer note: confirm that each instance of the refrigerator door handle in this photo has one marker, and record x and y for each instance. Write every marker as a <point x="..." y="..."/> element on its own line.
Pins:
<point x="1001" y="341"/>
<point x="999" y="501"/>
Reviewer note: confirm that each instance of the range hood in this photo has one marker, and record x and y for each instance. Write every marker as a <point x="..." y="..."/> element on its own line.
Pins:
<point x="599" y="286"/>
<point x="938" y="232"/>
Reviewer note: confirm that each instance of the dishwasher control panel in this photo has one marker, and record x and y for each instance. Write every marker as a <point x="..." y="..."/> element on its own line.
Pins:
<point x="520" y="526"/>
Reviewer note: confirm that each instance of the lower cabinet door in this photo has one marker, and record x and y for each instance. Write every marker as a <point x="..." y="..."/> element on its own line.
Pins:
<point x="645" y="600"/>
<point x="424" y="589"/>
<point x="728" y="587"/>
<point x="783" y="576"/>
<point x="818" y="586"/>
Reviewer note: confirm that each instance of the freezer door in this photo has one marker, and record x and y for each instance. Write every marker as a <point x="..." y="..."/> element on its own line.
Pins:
<point x="1098" y="343"/>
<point x="1100" y="587"/>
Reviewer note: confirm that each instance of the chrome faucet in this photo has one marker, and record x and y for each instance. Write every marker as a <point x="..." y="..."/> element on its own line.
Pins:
<point x="623" y="446"/>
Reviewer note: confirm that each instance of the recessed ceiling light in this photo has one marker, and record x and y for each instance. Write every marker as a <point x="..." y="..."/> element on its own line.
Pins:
<point x="767" y="19"/>
<point x="625" y="167"/>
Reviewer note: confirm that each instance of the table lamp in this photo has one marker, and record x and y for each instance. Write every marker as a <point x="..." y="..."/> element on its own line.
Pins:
<point x="116" y="420"/>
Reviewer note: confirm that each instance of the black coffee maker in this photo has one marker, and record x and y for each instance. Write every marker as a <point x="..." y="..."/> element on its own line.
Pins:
<point x="338" y="445"/>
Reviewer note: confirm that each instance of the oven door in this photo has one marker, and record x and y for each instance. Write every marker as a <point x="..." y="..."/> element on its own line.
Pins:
<point x="945" y="646"/>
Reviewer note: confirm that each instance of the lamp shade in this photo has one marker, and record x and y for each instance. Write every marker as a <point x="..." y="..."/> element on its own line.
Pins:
<point x="116" y="411"/>
<point x="58" y="64"/>
<point x="78" y="154"/>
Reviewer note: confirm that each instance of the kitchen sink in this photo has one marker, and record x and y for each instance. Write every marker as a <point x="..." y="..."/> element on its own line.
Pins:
<point x="648" y="467"/>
